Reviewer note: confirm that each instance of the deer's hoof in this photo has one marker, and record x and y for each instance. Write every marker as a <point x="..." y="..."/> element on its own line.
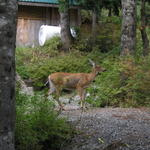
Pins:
<point x="83" y="109"/>
<point x="62" y="108"/>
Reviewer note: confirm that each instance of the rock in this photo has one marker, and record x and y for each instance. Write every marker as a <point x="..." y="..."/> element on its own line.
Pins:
<point x="23" y="87"/>
<point x="70" y="102"/>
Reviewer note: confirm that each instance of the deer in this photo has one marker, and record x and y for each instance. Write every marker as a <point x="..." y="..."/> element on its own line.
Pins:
<point x="73" y="81"/>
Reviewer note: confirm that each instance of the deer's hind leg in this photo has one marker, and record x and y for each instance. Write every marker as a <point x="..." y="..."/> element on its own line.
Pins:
<point x="58" y="91"/>
<point x="83" y="97"/>
<point x="52" y="87"/>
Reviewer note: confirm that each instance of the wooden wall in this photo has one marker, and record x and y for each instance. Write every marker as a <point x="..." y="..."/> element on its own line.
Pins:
<point x="30" y="18"/>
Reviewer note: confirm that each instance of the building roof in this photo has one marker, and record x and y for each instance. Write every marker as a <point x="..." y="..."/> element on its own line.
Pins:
<point x="72" y="2"/>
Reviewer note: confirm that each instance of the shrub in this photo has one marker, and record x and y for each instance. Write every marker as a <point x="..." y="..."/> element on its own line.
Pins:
<point x="86" y="16"/>
<point x="125" y="83"/>
<point x="106" y="85"/>
<point x="38" y="126"/>
<point x="112" y="19"/>
<point x="107" y="38"/>
<point x="29" y="59"/>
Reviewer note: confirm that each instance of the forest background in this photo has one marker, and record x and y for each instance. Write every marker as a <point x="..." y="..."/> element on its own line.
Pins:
<point x="101" y="37"/>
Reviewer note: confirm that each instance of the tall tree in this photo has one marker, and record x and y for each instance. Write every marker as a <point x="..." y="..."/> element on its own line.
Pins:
<point x="8" y="10"/>
<point x="143" y="29"/>
<point x="66" y="36"/>
<point x="95" y="14"/>
<point x="128" y="35"/>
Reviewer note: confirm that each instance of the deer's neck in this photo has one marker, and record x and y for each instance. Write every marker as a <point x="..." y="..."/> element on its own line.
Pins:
<point x="92" y="75"/>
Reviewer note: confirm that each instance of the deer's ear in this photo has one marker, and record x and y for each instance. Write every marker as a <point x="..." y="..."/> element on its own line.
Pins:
<point x="92" y="63"/>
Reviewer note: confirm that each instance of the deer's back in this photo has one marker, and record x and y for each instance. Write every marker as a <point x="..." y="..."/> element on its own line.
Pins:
<point x="69" y="80"/>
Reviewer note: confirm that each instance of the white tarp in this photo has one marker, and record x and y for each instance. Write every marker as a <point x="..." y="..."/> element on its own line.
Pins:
<point x="46" y="32"/>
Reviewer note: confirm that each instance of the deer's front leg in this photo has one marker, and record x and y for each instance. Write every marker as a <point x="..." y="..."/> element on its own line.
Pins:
<point x="50" y="91"/>
<point x="83" y="99"/>
<point x="81" y="93"/>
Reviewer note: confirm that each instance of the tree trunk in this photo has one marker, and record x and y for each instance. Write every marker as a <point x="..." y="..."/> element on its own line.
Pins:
<point x="94" y="24"/>
<point x="143" y="30"/>
<point x="7" y="73"/>
<point x="109" y="12"/>
<point x="66" y="36"/>
<point x="94" y="21"/>
<point x="128" y="35"/>
<point x="116" y="10"/>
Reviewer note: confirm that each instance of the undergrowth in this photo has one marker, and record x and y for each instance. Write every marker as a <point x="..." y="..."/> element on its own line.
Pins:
<point x="126" y="83"/>
<point x="38" y="126"/>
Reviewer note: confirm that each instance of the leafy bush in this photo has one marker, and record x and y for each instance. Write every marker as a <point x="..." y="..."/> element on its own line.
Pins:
<point x="26" y="57"/>
<point x="112" y="19"/>
<point x="38" y="126"/>
<point x="86" y="16"/>
<point x="107" y="38"/>
<point x="125" y="83"/>
<point x="23" y="56"/>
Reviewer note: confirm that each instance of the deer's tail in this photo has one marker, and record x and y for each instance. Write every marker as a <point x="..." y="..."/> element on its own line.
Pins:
<point x="51" y="85"/>
<point x="46" y="83"/>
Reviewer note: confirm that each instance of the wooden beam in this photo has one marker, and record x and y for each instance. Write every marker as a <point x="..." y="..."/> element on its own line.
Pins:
<point x="43" y="5"/>
<point x="32" y="18"/>
<point x="37" y="4"/>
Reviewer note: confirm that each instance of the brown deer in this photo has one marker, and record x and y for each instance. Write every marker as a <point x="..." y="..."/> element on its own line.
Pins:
<point x="73" y="81"/>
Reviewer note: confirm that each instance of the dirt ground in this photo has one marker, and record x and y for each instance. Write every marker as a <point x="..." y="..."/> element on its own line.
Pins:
<point x="110" y="129"/>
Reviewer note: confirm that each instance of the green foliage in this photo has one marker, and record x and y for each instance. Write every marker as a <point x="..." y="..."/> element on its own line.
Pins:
<point x="97" y="5"/>
<point x="112" y="19"/>
<point x="90" y="4"/>
<point x="125" y="83"/>
<point x="24" y="55"/>
<point x="63" y="5"/>
<point x="37" y="125"/>
<point x="106" y="85"/>
<point x="86" y="16"/>
<point x="107" y="38"/>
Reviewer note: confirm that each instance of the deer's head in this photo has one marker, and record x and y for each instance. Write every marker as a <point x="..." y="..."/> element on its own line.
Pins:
<point x="96" y="68"/>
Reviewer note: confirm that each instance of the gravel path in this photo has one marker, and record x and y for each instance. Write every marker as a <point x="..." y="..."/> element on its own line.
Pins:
<point x="110" y="129"/>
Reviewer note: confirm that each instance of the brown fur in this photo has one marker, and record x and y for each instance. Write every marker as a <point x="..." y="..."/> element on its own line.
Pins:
<point x="73" y="81"/>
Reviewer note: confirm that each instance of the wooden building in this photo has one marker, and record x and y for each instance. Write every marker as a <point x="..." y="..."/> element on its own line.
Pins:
<point x="34" y="13"/>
